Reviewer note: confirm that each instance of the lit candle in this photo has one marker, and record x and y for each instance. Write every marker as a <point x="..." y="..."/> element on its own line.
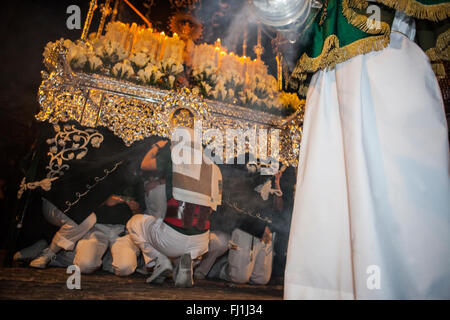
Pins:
<point x="154" y="41"/>
<point x="216" y="55"/>
<point x="124" y="33"/>
<point x="193" y="54"/>
<point x="132" y="37"/>
<point x="181" y="46"/>
<point x="162" y="40"/>
<point x="222" y="55"/>
<point x="245" y="75"/>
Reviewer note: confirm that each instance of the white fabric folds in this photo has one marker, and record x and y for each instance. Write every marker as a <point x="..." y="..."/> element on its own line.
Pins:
<point x="371" y="217"/>
<point x="196" y="179"/>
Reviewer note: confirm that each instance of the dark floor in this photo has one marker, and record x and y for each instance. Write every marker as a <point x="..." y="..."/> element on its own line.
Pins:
<point x="27" y="283"/>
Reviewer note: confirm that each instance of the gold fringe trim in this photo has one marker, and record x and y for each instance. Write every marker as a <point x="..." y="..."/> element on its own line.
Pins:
<point x="435" y="12"/>
<point x="359" y="4"/>
<point x="332" y="54"/>
<point x="361" y="21"/>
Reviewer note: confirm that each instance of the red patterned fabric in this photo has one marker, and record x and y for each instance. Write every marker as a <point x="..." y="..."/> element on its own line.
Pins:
<point x="193" y="215"/>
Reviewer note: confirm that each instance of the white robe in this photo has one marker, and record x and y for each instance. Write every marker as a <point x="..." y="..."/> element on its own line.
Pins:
<point x="371" y="217"/>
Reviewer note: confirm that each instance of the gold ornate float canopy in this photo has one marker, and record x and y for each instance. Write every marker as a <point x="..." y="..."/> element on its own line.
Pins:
<point x="133" y="111"/>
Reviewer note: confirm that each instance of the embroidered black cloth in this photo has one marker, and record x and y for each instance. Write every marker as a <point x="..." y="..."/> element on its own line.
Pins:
<point x="107" y="167"/>
<point x="239" y="196"/>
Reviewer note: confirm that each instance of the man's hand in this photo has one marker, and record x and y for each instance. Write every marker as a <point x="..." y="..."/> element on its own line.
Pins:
<point x="134" y="206"/>
<point x="278" y="178"/>
<point x="267" y="236"/>
<point x="161" y="143"/>
<point x="113" y="200"/>
<point x="149" y="161"/>
<point x="232" y="245"/>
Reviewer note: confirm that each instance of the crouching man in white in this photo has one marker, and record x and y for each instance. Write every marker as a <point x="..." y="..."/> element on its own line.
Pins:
<point x="85" y="244"/>
<point x="193" y="191"/>
<point x="249" y="259"/>
<point x="65" y="238"/>
<point x="158" y="241"/>
<point x="92" y="252"/>
<point x="247" y="237"/>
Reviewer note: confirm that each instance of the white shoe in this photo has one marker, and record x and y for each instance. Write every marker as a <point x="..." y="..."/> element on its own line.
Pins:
<point x="30" y="252"/>
<point x="43" y="260"/>
<point x="184" y="276"/>
<point x="161" y="271"/>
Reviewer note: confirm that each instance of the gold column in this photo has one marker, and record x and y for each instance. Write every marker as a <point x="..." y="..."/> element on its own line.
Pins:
<point x="279" y="58"/>
<point x="258" y="49"/>
<point x="87" y="23"/>
<point x="106" y="10"/>
<point x="115" y="11"/>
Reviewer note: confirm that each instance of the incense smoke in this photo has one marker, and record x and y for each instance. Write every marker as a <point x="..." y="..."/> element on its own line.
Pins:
<point x="231" y="19"/>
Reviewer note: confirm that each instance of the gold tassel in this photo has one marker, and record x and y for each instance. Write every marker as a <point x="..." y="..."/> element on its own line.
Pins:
<point x="303" y="90"/>
<point x="442" y="50"/>
<point x="439" y="54"/>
